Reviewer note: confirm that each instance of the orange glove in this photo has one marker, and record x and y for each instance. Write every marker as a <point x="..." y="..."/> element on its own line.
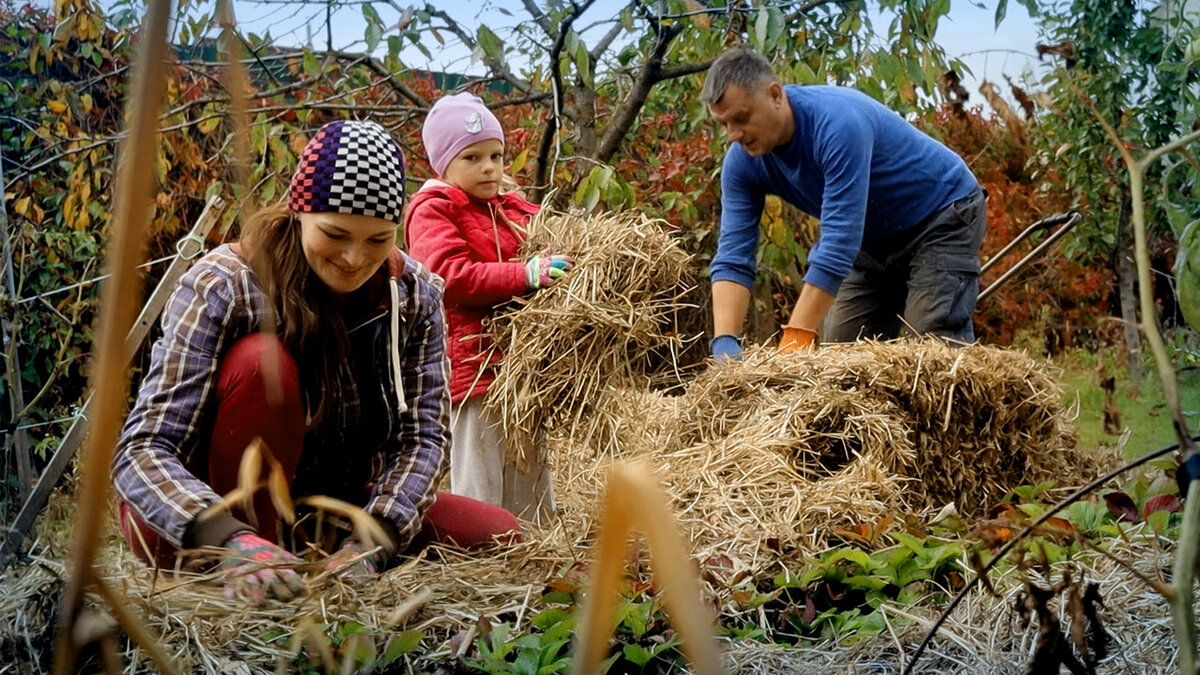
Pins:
<point x="796" y="338"/>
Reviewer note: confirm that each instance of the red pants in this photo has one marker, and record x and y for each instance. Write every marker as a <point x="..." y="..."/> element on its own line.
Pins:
<point x="245" y="411"/>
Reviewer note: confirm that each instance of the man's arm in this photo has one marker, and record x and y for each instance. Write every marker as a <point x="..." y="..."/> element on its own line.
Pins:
<point x="810" y="309"/>
<point x="731" y="302"/>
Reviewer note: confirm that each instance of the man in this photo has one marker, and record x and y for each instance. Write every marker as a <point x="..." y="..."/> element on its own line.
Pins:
<point x="902" y="217"/>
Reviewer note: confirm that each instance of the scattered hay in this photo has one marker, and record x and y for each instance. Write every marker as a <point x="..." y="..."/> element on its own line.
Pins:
<point x="208" y="634"/>
<point x="985" y="635"/>
<point x="612" y="321"/>
<point x="28" y="610"/>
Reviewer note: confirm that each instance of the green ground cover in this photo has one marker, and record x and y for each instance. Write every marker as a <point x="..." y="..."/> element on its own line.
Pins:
<point x="1141" y="407"/>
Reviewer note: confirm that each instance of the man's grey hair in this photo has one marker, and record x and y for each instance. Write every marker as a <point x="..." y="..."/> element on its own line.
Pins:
<point x="740" y="65"/>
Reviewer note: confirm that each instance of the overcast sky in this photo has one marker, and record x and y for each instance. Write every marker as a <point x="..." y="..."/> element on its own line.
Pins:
<point x="967" y="33"/>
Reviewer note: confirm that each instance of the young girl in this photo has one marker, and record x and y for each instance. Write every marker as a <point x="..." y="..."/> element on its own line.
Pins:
<point x="463" y="228"/>
<point x="358" y="356"/>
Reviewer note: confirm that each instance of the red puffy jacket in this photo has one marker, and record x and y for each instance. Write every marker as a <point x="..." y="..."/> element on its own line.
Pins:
<point x="473" y="246"/>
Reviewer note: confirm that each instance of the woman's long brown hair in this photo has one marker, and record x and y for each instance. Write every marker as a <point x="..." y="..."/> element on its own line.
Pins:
<point x="306" y="317"/>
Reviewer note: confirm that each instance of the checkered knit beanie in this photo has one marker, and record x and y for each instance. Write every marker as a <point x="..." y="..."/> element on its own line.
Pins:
<point x="453" y="123"/>
<point x="350" y="167"/>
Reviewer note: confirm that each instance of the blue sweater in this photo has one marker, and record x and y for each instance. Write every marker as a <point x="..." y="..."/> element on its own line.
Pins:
<point x="869" y="176"/>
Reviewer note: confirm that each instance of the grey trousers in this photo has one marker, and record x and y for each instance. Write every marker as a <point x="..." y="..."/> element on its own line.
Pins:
<point x="479" y="469"/>
<point x="927" y="283"/>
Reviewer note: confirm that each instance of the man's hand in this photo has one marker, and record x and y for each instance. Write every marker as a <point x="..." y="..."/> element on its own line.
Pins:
<point x="354" y="562"/>
<point x="725" y="347"/>
<point x="254" y="569"/>
<point x="795" y="338"/>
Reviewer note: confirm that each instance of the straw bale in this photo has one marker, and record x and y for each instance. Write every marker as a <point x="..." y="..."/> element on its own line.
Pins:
<point x="611" y="321"/>
<point x="764" y="458"/>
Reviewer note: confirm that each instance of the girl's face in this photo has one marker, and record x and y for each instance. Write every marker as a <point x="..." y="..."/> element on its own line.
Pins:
<point x="477" y="169"/>
<point x="345" y="249"/>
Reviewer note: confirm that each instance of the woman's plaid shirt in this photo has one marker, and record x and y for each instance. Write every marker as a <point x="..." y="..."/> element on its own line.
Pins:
<point x="218" y="302"/>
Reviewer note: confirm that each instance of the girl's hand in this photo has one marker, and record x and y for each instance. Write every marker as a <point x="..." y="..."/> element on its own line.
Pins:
<point x="546" y="269"/>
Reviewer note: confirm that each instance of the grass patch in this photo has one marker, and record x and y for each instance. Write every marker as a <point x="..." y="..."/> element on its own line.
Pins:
<point x="1142" y="407"/>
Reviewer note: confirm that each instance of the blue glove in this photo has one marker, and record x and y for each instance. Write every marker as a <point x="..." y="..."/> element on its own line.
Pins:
<point x="725" y="347"/>
<point x="543" y="270"/>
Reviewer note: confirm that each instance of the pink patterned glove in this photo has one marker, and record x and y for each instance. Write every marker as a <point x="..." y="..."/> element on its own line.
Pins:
<point x="354" y="562"/>
<point x="545" y="269"/>
<point x="255" y="568"/>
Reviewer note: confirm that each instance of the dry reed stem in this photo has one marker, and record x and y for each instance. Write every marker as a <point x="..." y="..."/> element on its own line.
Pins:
<point x="132" y="209"/>
<point x="633" y="499"/>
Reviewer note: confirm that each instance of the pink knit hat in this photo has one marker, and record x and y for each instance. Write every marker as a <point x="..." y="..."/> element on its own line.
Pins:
<point x="455" y="122"/>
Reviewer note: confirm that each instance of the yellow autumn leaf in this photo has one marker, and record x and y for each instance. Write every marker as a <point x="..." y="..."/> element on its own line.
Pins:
<point x="56" y="107"/>
<point x="21" y="207"/>
<point x="86" y="101"/>
<point x="772" y="209"/>
<point x="519" y="162"/>
<point x="207" y="125"/>
<point x="777" y="232"/>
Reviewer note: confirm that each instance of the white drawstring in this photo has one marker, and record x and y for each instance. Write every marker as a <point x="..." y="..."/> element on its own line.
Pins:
<point x="395" y="346"/>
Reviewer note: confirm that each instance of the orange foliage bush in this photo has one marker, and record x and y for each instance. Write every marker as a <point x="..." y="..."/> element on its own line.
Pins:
<point x="1056" y="301"/>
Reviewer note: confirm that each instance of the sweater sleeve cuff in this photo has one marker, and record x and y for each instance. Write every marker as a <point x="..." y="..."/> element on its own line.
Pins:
<point x="823" y="280"/>
<point x="213" y="531"/>
<point x="746" y="280"/>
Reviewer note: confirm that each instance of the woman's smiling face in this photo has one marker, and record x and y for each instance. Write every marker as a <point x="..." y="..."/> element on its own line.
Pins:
<point x="345" y="249"/>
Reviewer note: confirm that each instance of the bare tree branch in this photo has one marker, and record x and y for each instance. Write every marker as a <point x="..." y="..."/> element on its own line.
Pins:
<point x="539" y="17"/>
<point x="498" y="67"/>
<point x="401" y="88"/>
<point x="650" y="74"/>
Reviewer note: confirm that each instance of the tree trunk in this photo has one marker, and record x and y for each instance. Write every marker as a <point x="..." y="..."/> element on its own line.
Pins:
<point x="762" y="310"/>
<point x="1127" y="296"/>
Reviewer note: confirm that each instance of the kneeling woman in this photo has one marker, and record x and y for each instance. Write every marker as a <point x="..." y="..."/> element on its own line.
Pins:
<point x="358" y="356"/>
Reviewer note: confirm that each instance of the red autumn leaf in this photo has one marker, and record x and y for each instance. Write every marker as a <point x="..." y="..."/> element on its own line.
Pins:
<point x="1007" y="511"/>
<point x="810" y="610"/>
<point x="561" y="585"/>
<point x="1122" y="506"/>
<point x="741" y="597"/>
<point x="716" y="568"/>
<point x="1168" y="502"/>
<point x="858" y="535"/>
<point x="1059" y="529"/>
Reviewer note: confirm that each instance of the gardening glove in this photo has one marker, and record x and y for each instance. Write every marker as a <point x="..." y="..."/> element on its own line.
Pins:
<point x="725" y="348"/>
<point x="796" y="338"/>
<point x="545" y="269"/>
<point x="254" y="569"/>
<point x="354" y="562"/>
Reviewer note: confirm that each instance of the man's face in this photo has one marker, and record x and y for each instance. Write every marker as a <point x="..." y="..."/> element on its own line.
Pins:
<point x="756" y="119"/>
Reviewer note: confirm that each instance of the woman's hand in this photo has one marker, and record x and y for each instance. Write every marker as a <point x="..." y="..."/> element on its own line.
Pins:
<point x="354" y="562"/>
<point x="255" y="569"/>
